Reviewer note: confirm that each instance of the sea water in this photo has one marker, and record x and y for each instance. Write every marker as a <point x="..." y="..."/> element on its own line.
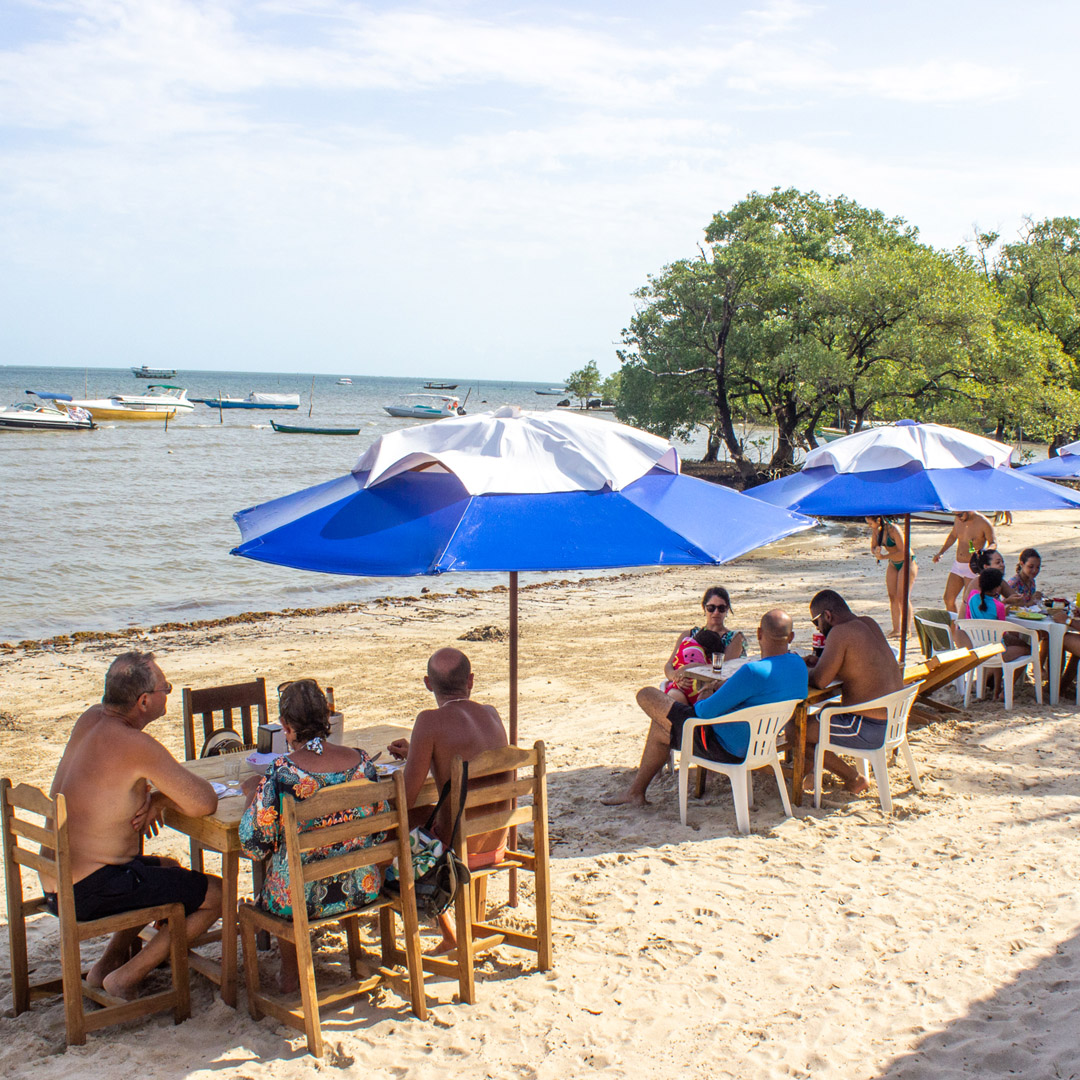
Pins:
<point x="131" y="524"/>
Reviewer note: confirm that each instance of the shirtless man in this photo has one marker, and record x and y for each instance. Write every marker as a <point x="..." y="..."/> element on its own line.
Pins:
<point x="456" y="727"/>
<point x="971" y="532"/>
<point x="857" y="653"/>
<point x="105" y="776"/>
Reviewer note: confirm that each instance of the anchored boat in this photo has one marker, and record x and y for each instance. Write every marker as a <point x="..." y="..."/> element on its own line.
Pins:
<point x="145" y="372"/>
<point x="426" y="407"/>
<point x="44" y="415"/>
<point x="254" y="400"/>
<point x="304" y="429"/>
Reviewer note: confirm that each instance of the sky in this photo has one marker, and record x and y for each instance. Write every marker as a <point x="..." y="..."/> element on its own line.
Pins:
<point x="475" y="189"/>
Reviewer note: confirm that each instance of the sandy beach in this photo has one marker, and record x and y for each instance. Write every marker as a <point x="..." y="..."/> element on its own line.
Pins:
<point x="940" y="943"/>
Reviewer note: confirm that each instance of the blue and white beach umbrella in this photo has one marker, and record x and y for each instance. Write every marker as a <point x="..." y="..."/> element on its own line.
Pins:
<point x="907" y="467"/>
<point x="1066" y="466"/>
<point x="510" y="490"/>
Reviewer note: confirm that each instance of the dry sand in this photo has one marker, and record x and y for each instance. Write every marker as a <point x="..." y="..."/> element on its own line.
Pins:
<point x="940" y="943"/>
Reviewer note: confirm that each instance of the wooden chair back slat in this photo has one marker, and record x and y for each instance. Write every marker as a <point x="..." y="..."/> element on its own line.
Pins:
<point x="211" y="700"/>
<point x="346" y="863"/>
<point x="29" y="831"/>
<point x="509" y="789"/>
<point x="505" y="759"/>
<point x="25" y="797"/>
<point x="342" y="797"/>
<point x="498" y="819"/>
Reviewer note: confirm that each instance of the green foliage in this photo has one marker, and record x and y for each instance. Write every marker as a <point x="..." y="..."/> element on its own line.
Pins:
<point x="585" y="382"/>
<point x="800" y="309"/>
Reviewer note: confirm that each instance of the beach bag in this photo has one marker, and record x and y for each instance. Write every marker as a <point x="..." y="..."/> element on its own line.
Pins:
<point x="438" y="873"/>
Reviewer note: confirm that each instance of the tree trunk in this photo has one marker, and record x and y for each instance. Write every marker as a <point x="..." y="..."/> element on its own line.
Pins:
<point x="712" y="450"/>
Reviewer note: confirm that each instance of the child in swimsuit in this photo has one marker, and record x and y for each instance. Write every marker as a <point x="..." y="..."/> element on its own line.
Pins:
<point x="696" y="649"/>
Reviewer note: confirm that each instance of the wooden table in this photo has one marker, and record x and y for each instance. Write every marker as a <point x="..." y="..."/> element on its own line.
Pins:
<point x="220" y="832"/>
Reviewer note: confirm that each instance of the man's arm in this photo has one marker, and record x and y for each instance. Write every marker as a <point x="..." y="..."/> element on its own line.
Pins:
<point x="991" y="538"/>
<point x="420" y="754"/>
<point x="729" y="697"/>
<point x="829" y="663"/>
<point x="949" y="541"/>
<point x="190" y="794"/>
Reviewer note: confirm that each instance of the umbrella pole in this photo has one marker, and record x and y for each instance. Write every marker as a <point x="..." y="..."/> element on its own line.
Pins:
<point x="905" y="584"/>
<point x="512" y="838"/>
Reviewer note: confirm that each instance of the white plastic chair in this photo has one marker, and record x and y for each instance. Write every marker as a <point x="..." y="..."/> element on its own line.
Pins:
<point x="959" y="684"/>
<point x="897" y="706"/>
<point x="991" y="632"/>
<point x="765" y="723"/>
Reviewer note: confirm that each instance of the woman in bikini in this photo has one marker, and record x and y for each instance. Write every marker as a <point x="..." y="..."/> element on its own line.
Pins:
<point x="887" y="542"/>
<point x="716" y="604"/>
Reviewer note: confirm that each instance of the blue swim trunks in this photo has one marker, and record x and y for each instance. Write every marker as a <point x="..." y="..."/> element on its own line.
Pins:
<point x="858" y="732"/>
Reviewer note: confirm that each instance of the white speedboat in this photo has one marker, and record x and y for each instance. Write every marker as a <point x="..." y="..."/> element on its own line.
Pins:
<point x="426" y="407"/>
<point x="158" y="403"/>
<point x="552" y="391"/>
<point x="43" y="415"/>
<point x="160" y="397"/>
<point x="344" y="382"/>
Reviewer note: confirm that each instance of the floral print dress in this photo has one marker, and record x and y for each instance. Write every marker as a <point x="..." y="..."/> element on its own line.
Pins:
<point x="261" y="838"/>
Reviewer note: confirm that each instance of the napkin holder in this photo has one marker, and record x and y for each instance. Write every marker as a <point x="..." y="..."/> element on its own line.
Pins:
<point x="270" y="739"/>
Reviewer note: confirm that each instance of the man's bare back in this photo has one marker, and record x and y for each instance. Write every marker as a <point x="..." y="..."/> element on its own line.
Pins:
<point x="858" y="654"/>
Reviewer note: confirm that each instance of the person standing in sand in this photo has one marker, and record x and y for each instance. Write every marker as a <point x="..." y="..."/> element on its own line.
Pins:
<point x="971" y="532"/>
<point x="858" y="655"/>
<point x="105" y="776"/>
<point x="778" y="676"/>
<point x="456" y="727"/>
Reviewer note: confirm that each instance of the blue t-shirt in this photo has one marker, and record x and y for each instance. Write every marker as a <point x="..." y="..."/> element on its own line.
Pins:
<point x="776" y="678"/>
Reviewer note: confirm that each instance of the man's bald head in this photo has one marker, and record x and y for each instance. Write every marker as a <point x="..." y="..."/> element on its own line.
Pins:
<point x="776" y="625"/>
<point x="448" y="672"/>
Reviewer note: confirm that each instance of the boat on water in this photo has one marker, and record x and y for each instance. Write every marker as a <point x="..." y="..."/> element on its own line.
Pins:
<point x="254" y="400"/>
<point x="552" y="391"/>
<point x="426" y="407"/>
<point x="304" y="429"/>
<point x="126" y="406"/>
<point x="827" y="434"/>
<point x="145" y="372"/>
<point x="44" y="415"/>
<point x="440" y="386"/>
<point x="344" y="382"/>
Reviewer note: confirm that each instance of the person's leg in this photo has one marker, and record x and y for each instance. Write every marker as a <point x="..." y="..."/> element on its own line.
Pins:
<point x="117" y="953"/>
<point x="675" y="694"/>
<point x="445" y="923"/>
<point x="954" y="584"/>
<point x="853" y="782"/>
<point x="892" y="586"/>
<point x="124" y="980"/>
<point x="655" y="752"/>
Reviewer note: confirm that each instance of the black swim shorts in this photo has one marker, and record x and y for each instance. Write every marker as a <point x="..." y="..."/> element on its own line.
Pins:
<point x="706" y="744"/>
<point x="144" y="882"/>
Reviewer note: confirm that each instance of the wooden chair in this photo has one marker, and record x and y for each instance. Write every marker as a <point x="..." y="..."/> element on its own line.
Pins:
<point x="475" y="934"/>
<point x="240" y="697"/>
<point x="394" y="820"/>
<point x="54" y="860"/>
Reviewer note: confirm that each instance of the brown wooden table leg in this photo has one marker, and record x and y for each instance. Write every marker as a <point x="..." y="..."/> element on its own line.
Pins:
<point x="800" y="754"/>
<point x="230" y="874"/>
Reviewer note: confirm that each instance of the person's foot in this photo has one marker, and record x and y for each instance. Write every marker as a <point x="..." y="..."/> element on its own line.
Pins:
<point x="627" y="798"/>
<point x="446" y="946"/>
<point x="894" y="633"/>
<point x="96" y="975"/>
<point x="116" y="985"/>
<point x="856" y="786"/>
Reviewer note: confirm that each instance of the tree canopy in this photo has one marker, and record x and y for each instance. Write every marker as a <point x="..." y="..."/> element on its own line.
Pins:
<point x="800" y="311"/>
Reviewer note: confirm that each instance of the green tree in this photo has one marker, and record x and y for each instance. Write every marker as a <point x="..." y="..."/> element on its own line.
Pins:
<point x="584" y="383"/>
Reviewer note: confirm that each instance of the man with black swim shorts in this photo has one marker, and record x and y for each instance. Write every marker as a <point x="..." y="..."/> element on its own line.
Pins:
<point x="105" y="776"/>
<point x="778" y="676"/>
<point x="858" y="655"/>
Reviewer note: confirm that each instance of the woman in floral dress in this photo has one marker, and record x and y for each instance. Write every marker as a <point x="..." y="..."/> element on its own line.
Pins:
<point x="313" y="764"/>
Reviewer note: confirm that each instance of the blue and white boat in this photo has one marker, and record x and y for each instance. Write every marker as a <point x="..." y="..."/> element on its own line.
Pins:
<point x="254" y="400"/>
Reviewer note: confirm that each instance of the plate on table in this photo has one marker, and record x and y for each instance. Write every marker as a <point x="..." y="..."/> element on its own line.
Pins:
<point x="1033" y="616"/>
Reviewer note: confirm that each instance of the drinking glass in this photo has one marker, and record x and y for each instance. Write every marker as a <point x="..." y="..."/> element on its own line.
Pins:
<point x="717" y="663"/>
<point x="232" y="775"/>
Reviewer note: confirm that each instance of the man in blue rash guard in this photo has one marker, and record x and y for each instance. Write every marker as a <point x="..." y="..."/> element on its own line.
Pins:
<point x="778" y="676"/>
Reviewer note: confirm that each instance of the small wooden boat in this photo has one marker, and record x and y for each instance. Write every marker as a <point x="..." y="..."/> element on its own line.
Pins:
<point x="440" y="386"/>
<point x="303" y="429"/>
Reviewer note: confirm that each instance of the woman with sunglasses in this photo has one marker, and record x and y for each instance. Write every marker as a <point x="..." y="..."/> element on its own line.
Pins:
<point x="717" y="606"/>
<point x="312" y="764"/>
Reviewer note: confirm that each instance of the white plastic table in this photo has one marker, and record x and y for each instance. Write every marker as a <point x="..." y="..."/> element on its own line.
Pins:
<point x="1056" y="632"/>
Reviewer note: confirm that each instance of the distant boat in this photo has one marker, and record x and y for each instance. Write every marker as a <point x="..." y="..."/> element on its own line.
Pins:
<point x="298" y="429"/>
<point x="344" y="382"/>
<point x="145" y="372"/>
<point x="440" y="386"/>
<point x="426" y="407"/>
<point x="827" y="434"/>
<point x="254" y="400"/>
<point x="134" y="407"/>
<point x="552" y="392"/>
<point x="44" y="415"/>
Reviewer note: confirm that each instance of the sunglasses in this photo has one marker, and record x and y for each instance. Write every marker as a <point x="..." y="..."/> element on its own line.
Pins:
<point x="716" y="607"/>
<point x="166" y="689"/>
